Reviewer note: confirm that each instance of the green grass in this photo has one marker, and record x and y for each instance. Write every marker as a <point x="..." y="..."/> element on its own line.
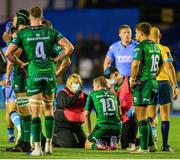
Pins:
<point x="62" y="153"/>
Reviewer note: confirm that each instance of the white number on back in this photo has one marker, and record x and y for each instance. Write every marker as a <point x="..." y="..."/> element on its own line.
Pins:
<point x="155" y="62"/>
<point x="40" y="50"/>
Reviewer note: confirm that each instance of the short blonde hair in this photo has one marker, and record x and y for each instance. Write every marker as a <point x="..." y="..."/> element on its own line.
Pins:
<point x="71" y="79"/>
<point x="36" y="12"/>
<point x="101" y="81"/>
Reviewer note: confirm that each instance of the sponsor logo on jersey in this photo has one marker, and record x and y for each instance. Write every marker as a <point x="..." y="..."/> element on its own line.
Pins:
<point x="44" y="78"/>
<point x="135" y="99"/>
<point x="146" y="99"/>
<point x="124" y="59"/>
<point x="37" y="34"/>
<point x="16" y="86"/>
<point x="38" y="38"/>
<point x="32" y="90"/>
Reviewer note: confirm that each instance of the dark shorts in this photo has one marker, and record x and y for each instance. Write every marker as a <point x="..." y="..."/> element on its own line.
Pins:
<point x="100" y="132"/>
<point x="164" y="93"/>
<point x="69" y="138"/>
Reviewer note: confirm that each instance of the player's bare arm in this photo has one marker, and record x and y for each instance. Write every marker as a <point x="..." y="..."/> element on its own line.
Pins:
<point x="8" y="72"/>
<point x="18" y="52"/>
<point x="6" y="37"/>
<point x="68" y="49"/>
<point x="134" y="71"/>
<point x="107" y="62"/>
<point x="172" y="77"/>
<point x="12" y="57"/>
<point x="63" y="67"/>
<point x="88" y="121"/>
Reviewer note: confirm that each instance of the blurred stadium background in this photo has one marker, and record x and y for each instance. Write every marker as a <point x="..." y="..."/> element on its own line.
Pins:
<point x="92" y="25"/>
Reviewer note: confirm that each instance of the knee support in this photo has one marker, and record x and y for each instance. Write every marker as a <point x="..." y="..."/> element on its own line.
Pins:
<point x="22" y="102"/>
<point x="34" y="102"/>
<point x="48" y="102"/>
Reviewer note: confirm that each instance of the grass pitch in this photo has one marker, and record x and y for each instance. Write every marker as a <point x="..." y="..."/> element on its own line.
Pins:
<point x="62" y="153"/>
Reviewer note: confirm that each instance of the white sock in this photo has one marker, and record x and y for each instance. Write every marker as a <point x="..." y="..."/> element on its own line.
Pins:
<point x="37" y="145"/>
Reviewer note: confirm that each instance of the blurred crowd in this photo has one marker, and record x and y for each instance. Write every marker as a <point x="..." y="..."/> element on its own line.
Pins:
<point x="88" y="56"/>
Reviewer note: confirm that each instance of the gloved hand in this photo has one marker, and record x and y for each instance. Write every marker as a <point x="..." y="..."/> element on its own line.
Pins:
<point x="9" y="26"/>
<point x="130" y="112"/>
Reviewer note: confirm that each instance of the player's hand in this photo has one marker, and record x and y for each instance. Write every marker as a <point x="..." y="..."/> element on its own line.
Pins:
<point x="6" y="37"/>
<point x="58" y="74"/>
<point x="175" y="93"/>
<point x="132" y="82"/>
<point x="2" y="83"/>
<point x="57" y="59"/>
<point x="23" y="65"/>
<point x="7" y="82"/>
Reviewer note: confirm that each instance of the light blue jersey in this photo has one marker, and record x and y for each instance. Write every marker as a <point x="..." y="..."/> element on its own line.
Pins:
<point x="122" y="56"/>
<point x="9" y="92"/>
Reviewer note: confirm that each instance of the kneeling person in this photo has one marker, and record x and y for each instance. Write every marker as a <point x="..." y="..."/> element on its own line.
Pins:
<point x="108" y="123"/>
<point x="69" y="114"/>
<point x="120" y="87"/>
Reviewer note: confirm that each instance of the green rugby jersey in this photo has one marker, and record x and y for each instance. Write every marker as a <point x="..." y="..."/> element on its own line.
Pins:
<point x="105" y="104"/>
<point x="37" y="43"/>
<point x="150" y="56"/>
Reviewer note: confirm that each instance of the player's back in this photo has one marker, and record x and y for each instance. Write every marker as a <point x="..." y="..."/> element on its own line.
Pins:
<point x="38" y="44"/>
<point x="149" y="54"/>
<point x="166" y="57"/>
<point x="106" y="107"/>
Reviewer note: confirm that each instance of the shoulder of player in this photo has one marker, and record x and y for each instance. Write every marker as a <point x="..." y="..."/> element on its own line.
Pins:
<point x="111" y="93"/>
<point x="145" y="44"/>
<point x="134" y="42"/>
<point x="164" y="48"/>
<point x="115" y="44"/>
<point x="138" y="46"/>
<point x="93" y="93"/>
<point x="21" y="31"/>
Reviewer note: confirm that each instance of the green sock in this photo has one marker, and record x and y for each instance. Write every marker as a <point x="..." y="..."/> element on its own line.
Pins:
<point x="22" y="129"/>
<point x="151" y="142"/>
<point x="144" y="132"/>
<point x="94" y="146"/>
<point x="27" y="128"/>
<point x="49" y="126"/>
<point x="36" y="129"/>
<point x="43" y="138"/>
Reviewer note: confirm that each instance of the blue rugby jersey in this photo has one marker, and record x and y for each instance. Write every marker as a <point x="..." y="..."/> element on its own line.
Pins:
<point x="122" y="56"/>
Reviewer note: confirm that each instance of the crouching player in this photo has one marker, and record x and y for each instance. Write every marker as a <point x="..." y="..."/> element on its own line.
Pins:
<point x="108" y="124"/>
<point x="120" y="87"/>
